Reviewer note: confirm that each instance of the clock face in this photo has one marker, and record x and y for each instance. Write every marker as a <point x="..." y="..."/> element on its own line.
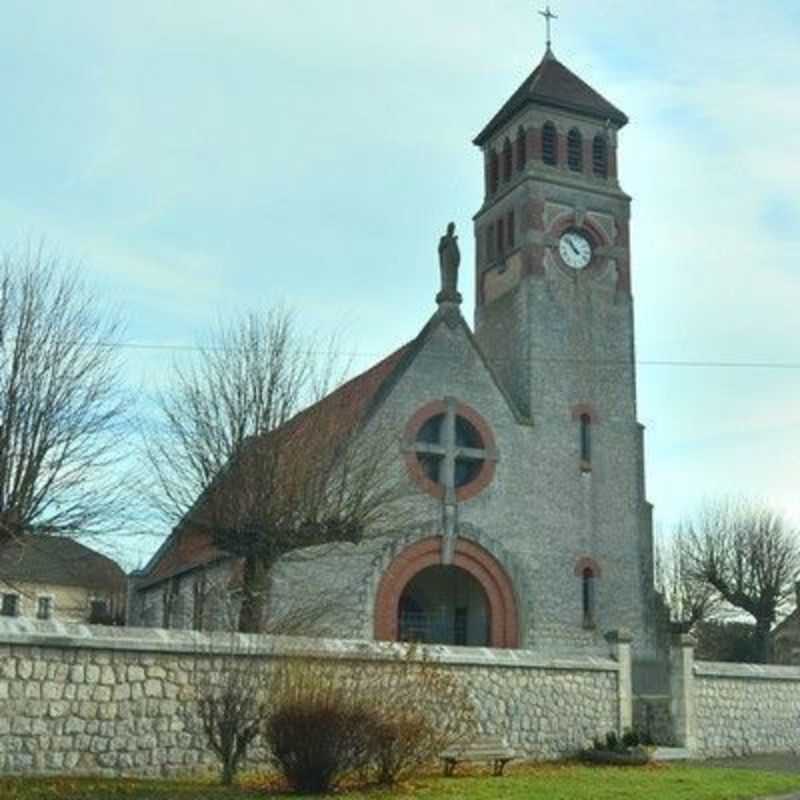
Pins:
<point x="575" y="249"/>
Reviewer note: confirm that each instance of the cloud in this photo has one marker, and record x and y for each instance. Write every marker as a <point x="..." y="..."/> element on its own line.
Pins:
<point x="202" y="157"/>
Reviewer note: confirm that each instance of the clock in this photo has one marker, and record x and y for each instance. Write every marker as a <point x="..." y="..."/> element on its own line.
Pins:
<point x="575" y="249"/>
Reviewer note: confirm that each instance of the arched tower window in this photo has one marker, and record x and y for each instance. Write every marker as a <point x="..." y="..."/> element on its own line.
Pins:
<point x="588" y="580"/>
<point x="586" y="438"/>
<point x="575" y="150"/>
<point x="507" y="161"/>
<point x="494" y="172"/>
<point x="500" y="238"/>
<point x="549" y="144"/>
<point x="522" y="155"/>
<point x="511" y="232"/>
<point x="600" y="156"/>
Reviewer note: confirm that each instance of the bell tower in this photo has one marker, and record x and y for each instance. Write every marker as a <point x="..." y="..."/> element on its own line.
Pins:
<point x="552" y="245"/>
<point x="554" y="317"/>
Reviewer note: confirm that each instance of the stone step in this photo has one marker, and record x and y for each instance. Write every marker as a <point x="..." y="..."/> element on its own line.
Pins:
<point x="670" y="754"/>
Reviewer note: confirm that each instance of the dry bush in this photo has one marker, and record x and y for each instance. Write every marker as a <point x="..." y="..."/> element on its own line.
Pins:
<point x="379" y="720"/>
<point x="318" y="730"/>
<point x="420" y="710"/>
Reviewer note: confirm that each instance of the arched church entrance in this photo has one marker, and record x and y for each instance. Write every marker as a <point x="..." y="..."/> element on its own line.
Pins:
<point x="444" y="605"/>
<point x="469" y="600"/>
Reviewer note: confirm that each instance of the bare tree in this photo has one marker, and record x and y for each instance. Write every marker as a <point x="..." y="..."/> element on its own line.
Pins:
<point x="232" y="705"/>
<point x="691" y="599"/>
<point x="749" y="555"/>
<point x="61" y="410"/>
<point x="237" y="458"/>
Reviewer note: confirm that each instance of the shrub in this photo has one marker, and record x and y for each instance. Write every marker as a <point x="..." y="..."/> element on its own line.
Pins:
<point x="317" y="730"/>
<point x="630" y="739"/>
<point x="380" y="720"/>
<point x="422" y="709"/>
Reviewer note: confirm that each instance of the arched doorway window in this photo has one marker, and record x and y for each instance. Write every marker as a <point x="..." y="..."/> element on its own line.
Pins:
<point x="444" y="605"/>
<point x="472" y="587"/>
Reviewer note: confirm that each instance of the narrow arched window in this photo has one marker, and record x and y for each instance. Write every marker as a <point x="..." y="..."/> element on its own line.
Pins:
<point x="507" y="161"/>
<point x="575" y="150"/>
<point x="490" y="243"/>
<point x="600" y="156"/>
<point x="522" y="155"/>
<point x="549" y="144"/>
<point x="588" y="591"/>
<point x="510" y="233"/>
<point x="494" y="172"/>
<point x="500" y="237"/>
<point x="586" y="438"/>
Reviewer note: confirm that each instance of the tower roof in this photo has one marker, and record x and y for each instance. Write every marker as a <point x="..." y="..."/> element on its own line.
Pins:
<point x="552" y="84"/>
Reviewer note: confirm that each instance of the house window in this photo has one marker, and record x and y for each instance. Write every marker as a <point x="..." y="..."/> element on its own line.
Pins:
<point x="522" y="155"/>
<point x="98" y="612"/>
<point x="575" y="150"/>
<point x="586" y="438"/>
<point x="588" y="580"/>
<point x="10" y="605"/>
<point x="199" y="602"/>
<point x="549" y="144"/>
<point x="494" y="172"/>
<point x="507" y="161"/>
<point x="44" y="607"/>
<point x="600" y="156"/>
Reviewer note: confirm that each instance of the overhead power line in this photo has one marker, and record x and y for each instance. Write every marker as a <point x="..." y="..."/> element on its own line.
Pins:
<point x="645" y="362"/>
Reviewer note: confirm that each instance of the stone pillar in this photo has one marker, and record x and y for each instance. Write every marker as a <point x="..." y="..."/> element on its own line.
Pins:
<point x="620" y="641"/>
<point x="682" y="690"/>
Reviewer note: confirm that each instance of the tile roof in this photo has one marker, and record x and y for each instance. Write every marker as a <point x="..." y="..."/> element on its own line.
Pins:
<point x="192" y="546"/>
<point x="552" y="84"/>
<point x="59" y="560"/>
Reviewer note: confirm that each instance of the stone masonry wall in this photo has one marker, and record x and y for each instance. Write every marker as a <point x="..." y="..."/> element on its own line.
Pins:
<point x="77" y="699"/>
<point x="745" y="708"/>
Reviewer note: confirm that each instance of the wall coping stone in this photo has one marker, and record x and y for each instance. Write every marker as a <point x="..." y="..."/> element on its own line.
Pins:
<point x="39" y="633"/>
<point x="764" y="672"/>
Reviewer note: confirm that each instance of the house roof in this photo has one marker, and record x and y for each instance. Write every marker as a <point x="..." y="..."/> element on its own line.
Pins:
<point x="790" y="625"/>
<point x="552" y="84"/>
<point x="58" y="560"/>
<point x="189" y="547"/>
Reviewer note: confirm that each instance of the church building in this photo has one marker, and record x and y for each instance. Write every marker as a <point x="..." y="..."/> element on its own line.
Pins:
<point x="518" y="437"/>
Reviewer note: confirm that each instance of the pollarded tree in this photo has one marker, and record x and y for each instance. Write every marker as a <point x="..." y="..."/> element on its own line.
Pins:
<point x="750" y="556"/>
<point x="245" y="454"/>
<point x="691" y="599"/>
<point x="61" y="410"/>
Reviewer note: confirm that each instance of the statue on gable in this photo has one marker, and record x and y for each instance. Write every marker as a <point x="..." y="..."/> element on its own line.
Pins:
<point x="449" y="260"/>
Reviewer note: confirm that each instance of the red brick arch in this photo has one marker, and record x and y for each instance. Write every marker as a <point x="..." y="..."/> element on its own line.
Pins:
<point x="469" y="556"/>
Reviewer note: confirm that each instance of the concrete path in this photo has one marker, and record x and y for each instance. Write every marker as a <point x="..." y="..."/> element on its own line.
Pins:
<point x="774" y="762"/>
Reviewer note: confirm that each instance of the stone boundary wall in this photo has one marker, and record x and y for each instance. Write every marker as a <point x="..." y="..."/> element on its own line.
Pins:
<point x="76" y="699"/>
<point x="745" y="708"/>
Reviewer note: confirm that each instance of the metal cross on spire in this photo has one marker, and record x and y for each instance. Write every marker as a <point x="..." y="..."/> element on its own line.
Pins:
<point x="548" y="16"/>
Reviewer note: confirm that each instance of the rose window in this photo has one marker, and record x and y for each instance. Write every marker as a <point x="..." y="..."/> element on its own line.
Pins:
<point x="449" y="452"/>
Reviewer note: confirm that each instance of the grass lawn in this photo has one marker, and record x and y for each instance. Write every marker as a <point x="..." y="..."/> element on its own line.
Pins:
<point x="542" y="782"/>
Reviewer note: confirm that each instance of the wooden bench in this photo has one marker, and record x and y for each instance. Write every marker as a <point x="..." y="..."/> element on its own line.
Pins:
<point x="492" y="749"/>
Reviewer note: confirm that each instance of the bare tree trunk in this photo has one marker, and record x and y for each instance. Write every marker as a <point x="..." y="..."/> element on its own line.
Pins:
<point x="255" y="590"/>
<point x="761" y="640"/>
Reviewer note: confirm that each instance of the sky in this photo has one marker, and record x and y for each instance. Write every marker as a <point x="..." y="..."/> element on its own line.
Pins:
<point x="199" y="158"/>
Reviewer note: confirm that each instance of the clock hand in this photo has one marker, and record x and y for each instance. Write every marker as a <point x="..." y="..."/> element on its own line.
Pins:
<point x="574" y="249"/>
